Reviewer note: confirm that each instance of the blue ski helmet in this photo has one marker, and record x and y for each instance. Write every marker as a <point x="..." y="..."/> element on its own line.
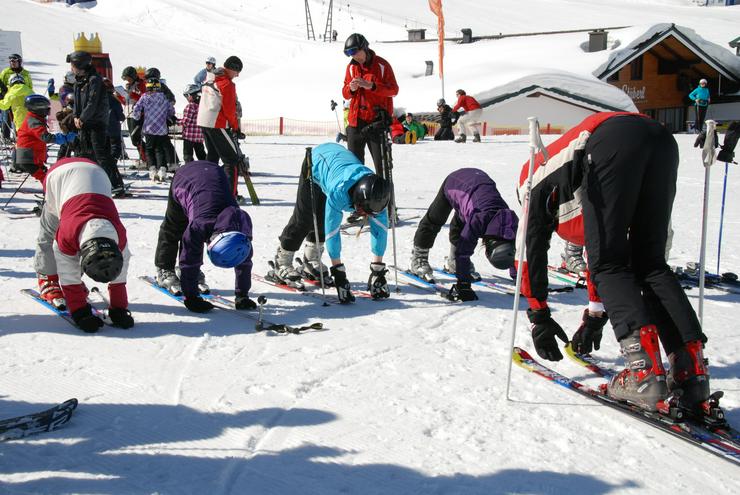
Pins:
<point x="229" y="249"/>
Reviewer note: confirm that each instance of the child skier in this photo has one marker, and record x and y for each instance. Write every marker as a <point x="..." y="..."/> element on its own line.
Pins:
<point x="156" y="109"/>
<point x="340" y="183"/>
<point x="192" y="135"/>
<point x="80" y="232"/>
<point x="480" y="212"/>
<point x="201" y="209"/>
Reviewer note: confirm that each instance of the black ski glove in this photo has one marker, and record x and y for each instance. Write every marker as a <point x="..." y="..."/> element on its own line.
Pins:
<point x="544" y="331"/>
<point x="461" y="291"/>
<point x="377" y="284"/>
<point x="344" y="291"/>
<point x="197" y="304"/>
<point x="588" y="335"/>
<point x="121" y="317"/>
<point x="242" y="301"/>
<point x="86" y="320"/>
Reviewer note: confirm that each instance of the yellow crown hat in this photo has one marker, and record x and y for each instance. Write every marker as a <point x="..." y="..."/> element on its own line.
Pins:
<point x="89" y="45"/>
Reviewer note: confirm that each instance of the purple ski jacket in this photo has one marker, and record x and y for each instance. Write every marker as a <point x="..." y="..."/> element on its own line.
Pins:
<point x="477" y="202"/>
<point x="203" y="192"/>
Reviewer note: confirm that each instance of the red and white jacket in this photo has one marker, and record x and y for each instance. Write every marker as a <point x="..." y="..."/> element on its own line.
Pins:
<point x="362" y="102"/>
<point x="555" y="205"/>
<point x="78" y="196"/>
<point x="467" y="103"/>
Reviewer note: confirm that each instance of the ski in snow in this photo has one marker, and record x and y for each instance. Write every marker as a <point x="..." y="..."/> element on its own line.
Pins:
<point x="29" y="424"/>
<point x="695" y="434"/>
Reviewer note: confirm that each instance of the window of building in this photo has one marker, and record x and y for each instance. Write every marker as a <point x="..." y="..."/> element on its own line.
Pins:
<point x="636" y="69"/>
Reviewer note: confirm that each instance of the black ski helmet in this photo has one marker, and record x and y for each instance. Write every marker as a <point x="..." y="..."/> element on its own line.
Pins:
<point x="14" y="57"/>
<point x="37" y="104"/>
<point x="500" y="253"/>
<point x="371" y="194"/>
<point x="101" y="260"/>
<point x="354" y="43"/>
<point x="441" y="102"/>
<point x="233" y="63"/>
<point x="152" y="73"/>
<point x="80" y="59"/>
<point x="129" y="71"/>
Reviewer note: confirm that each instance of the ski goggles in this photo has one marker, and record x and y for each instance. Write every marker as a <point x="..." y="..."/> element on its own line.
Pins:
<point x="351" y="51"/>
<point x="14" y="59"/>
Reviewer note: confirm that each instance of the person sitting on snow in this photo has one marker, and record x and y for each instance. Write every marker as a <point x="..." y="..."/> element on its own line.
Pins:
<point x="80" y="232"/>
<point x="201" y="210"/>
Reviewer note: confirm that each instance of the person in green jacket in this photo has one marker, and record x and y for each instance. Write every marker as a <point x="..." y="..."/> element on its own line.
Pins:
<point x="15" y="98"/>
<point x="15" y="66"/>
<point x="415" y="130"/>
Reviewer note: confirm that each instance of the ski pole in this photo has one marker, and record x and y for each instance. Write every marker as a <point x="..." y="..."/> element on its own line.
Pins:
<point x="707" y="156"/>
<point x="535" y="144"/>
<point x="722" y="217"/>
<point x="16" y="191"/>
<point x="334" y="108"/>
<point x="309" y="173"/>
<point x="387" y="157"/>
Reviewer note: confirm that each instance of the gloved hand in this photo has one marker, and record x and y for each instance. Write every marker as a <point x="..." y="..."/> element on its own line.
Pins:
<point x="588" y="335"/>
<point x="121" y="317"/>
<point x="344" y="291"/>
<point x="461" y="291"/>
<point x="50" y="86"/>
<point x="198" y="305"/>
<point x="60" y="138"/>
<point x="240" y="135"/>
<point x="243" y="164"/>
<point x="88" y="322"/>
<point x="377" y="284"/>
<point x="544" y="331"/>
<point x="242" y="301"/>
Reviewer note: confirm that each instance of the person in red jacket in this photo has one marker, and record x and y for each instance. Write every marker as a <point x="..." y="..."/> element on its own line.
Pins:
<point x="34" y="135"/>
<point x="609" y="184"/>
<point x="470" y="122"/>
<point x="80" y="232"/>
<point x="369" y="82"/>
<point x="398" y="132"/>
<point x="218" y="119"/>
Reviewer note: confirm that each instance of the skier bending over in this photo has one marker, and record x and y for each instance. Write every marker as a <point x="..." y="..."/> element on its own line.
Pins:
<point x="340" y="183"/>
<point x="480" y="212"/>
<point x="80" y="232"/>
<point x="609" y="185"/>
<point x="201" y="209"/>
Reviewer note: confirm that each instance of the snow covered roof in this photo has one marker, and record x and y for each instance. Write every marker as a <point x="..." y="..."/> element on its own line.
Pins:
<point x="718" y="57"/>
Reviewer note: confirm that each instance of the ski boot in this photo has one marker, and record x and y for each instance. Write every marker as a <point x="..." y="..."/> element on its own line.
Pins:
<point x="643" y="381"/>
<point x="461" y="138"/>
<point x="311" y="267"/>
<point x="283" y="272"/>
<point x="450" y="265"/>
<point x="153" y="176"/>
<point x="202" y="285"/>
<point x="168" y="279"/>
<point x="572" y="259"/>
<point x="51" y="292"/>
<point x="354" y="218"/>
<point x="689" y="375"/>
<point x="162" y="174"/>
<point x="420" y="264"/>
<point x="476" y="138"/>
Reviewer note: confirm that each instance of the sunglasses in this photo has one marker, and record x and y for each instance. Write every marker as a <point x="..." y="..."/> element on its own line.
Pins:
<point x="14" y="59"/>
<point x="351" y="51"/>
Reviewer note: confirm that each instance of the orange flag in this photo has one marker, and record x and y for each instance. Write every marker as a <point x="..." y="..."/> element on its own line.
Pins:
<point x="436" y="7"/>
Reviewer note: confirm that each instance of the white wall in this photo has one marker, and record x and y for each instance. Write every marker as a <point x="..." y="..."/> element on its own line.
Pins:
<point x="513" y="113"/>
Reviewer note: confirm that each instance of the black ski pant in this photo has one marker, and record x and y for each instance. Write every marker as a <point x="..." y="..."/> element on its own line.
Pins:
<point x="701" y="114"/>
<point x="300" y="225"/>
<point x="170" y="232"/>
<point x="221" y="146"/>
<point x="115" y="145"/>
<point x="434" y="219"/>
<point x="357" y="139"/>
<point x="93" y="146"/>
<point x="629" y="184"/>
<point x="444" y="134"/>
<point x="156" y="150"/>
<point x="190" y="147"/>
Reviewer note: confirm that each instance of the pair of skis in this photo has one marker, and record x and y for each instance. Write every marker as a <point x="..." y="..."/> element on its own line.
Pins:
<point x="714" y="436"/>
<point x="38" y="422"/>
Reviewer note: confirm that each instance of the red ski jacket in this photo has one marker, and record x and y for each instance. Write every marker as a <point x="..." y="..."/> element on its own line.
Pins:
<point x="33" y="137"/>
<point x="363" y="101"/>
<point x="467" y="103"/>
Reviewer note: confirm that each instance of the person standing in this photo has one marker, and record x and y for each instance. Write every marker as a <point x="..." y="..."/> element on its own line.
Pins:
<point x="369" y="82"/>
<point x="340" y="183"/>
<point x="14" y="99"/>
<point x="91" y="117"/>
<point x="115" y="117"/>
<point x="701" y="98"/>
<point x="201" y="210"/>
<point x="156" y="109"/>
<point x="200" y="77"/>
<point x="218" y="119"/>
<point x="470" y="122"/>
<point x="15" y="67"/>
<point x="609" y="184"/>
<point x="192" y="135"/>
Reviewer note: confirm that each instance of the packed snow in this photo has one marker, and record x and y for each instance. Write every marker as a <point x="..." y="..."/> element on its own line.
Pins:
<point x="400" y="396"/>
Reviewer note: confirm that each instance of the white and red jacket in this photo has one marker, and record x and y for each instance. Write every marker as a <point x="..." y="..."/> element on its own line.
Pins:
<point x="217" y="108"/>
<point x="555" y="206"/>
<point x="78" y="195"/>
<point x="362" y="102"/>
<point x="467" y="103"/>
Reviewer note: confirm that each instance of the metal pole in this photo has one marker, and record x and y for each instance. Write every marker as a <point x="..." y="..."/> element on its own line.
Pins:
<point x="535" y="144"/>
<point x="388" y="170"/>
<point x="309" y="166"/>
<point x="722" y="218"/>
<point x="708" y="156"/>
<point x="16" y="191"/>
